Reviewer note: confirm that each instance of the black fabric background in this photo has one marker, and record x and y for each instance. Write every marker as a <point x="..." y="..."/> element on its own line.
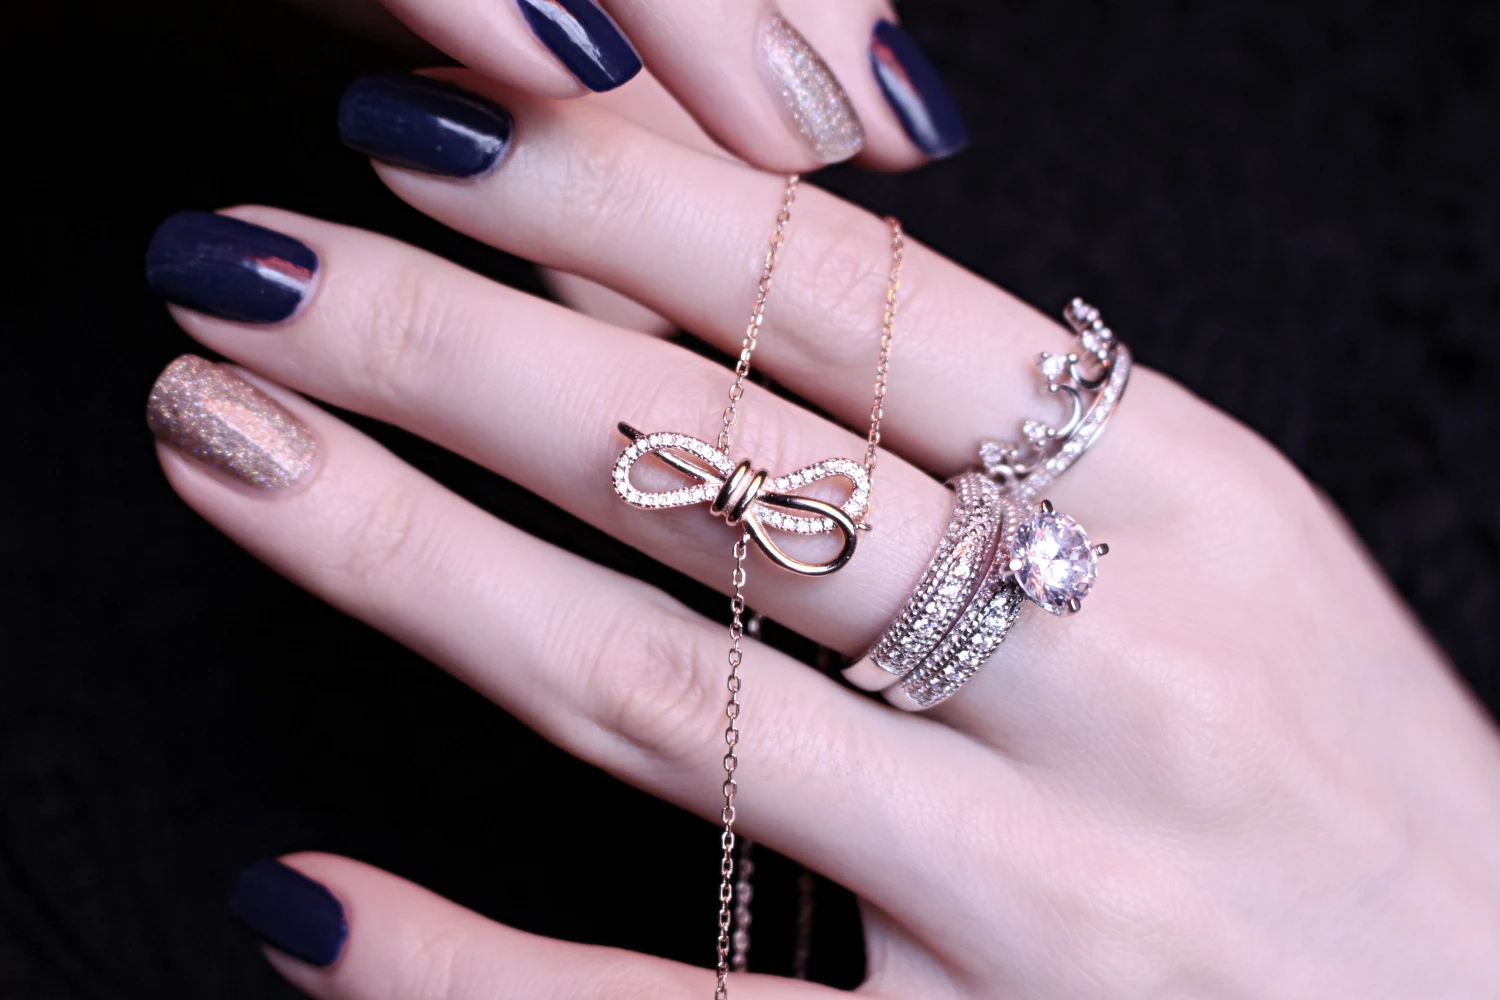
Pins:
<point x="1290" y="206"/>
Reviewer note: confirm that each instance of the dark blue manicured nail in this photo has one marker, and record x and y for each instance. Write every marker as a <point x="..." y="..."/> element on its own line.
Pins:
<point x="423" y="124"/>
<point x="228" y="268"/>
<point x="586" y="39"/>
<point x="916" y="92"/>
<point x="290" y="912"/>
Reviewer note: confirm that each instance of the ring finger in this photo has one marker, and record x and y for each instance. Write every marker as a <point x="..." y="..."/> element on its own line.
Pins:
<point x="682" y="232"/>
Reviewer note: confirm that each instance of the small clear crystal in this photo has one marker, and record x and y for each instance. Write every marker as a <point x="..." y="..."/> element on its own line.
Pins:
<point x="1053" y="366"/>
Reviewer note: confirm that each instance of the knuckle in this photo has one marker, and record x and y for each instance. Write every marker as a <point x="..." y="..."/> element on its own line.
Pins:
<point x="1149" y="934"/>
<point x="429" y="967"/>
<point x="1201" y="721"/>
<point x="607" y="185"/>
<point x="1226" y="469"/>
<point x="384" y="537"/>
<point x="846" y="275"/>
<point x="408" y="319"/>
<point x="652" y="679"/>
<point x="627" y="977"/>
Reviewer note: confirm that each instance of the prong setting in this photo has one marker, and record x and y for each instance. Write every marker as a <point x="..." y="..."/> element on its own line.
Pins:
<point x="1052" y="560"/>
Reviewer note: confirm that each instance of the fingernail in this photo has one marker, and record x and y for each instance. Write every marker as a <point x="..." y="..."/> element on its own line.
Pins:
<point x="423" y="124"/>
<point x="210" y="414"/>
<point x="227" y="268"/>
<point x="916" y="92"/>
<point x="586" y="39"/>
<point x="812" y="96"/>
<point x="290" y="912"/>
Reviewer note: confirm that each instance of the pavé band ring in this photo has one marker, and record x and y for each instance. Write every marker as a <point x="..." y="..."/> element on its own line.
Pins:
<point x="1042" y="555"/>
<point x="946" y="588"/>
<point x="1045" y="558"/>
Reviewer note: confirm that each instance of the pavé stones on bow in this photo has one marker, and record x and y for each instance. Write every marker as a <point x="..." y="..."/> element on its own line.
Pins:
<point x="751" y="498"/>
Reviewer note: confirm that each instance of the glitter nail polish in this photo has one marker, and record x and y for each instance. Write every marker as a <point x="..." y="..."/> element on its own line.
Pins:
<point x="814" y="100"/>
<point x="218" y="418"/>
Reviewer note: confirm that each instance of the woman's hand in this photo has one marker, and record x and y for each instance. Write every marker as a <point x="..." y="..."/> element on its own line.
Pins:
<point x="1241" y="771"/>
<point x="788" y="86"/>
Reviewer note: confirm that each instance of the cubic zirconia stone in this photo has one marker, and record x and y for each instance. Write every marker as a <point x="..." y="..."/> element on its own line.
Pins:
<point x="1053" y="366"/>
<point x="1057" y="560"/>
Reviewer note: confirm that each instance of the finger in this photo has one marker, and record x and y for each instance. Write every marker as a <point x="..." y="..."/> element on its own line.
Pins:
<point x="749" y="70"/>
<point x="778" y="97"/>
<point x="606" y="667"/>
<point x="908" y="114"/>
<point x="393" y="940"/>
<point x="534" y="392"/>
<point x="649" y="105"/>
<point x="555" y="48"/>
<point x="655" y="212"/>
<point x="604" y="304"/>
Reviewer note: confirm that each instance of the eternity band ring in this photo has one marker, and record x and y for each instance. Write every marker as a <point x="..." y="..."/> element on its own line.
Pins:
<point x="945" y="589"/>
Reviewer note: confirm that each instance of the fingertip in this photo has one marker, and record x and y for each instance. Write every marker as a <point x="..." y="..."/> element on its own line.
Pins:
<point x="296" y="915"/>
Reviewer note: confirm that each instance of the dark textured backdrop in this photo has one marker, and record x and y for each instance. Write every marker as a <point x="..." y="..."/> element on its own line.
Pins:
<point x="1290" y="206"/>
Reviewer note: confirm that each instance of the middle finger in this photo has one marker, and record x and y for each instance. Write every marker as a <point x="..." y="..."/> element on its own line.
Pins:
<point x="533" y="391"/>
<point x="682" y="231"/>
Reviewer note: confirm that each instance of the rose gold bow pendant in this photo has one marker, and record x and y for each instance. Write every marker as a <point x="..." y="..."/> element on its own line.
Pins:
<point x="743" y="496"/>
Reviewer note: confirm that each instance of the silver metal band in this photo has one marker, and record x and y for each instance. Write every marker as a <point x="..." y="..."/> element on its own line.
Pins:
<point x="979" y="631"/>
<point x="945" y="590"/>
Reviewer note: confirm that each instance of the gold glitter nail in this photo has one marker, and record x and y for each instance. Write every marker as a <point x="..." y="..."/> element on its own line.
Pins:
<point x="218" y="418"/>
<point x="811" y="94"/>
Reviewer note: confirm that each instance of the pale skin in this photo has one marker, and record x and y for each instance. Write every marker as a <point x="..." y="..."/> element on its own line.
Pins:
<point x="1242" y="770"/>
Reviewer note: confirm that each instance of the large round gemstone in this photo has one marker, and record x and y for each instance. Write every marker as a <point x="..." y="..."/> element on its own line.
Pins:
<point x="1053" y="560"/>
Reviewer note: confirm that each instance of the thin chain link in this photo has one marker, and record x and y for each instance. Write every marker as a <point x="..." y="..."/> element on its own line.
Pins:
<point x="758" y="312"/>
<point x="731" y="761"/>
<point x="744" y="892"/>
<point x="734" y="893"/>
<point x="806" y="905"/>
<point x="883" y="365"/>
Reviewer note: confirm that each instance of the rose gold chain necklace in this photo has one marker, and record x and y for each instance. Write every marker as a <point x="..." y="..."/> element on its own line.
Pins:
<point x="755" y="502"/>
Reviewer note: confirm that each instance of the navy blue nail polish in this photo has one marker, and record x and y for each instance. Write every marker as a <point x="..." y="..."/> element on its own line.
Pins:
<point x="916" y="92"/>
<point x="228" y="268"/>
<point x="586" y="39"/>
<point x="423" y="124"/>
<point x="290" y="912"/>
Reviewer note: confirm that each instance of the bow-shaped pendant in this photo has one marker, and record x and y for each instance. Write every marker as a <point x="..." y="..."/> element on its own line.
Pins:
<point x="741" y="495"/>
